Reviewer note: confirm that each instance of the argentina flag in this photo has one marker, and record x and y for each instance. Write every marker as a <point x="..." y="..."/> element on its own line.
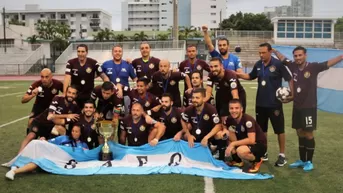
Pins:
<point x="168" y="157"/>
<point x="330" y="82"/>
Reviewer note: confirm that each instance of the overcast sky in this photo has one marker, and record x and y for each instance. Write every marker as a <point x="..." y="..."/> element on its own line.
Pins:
<point x="322" y="8"/>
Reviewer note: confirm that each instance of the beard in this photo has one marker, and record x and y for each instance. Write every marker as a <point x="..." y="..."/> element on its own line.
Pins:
<point x="166" y="108"/>
<point x="197" y="104"/>
<point x="223" y="52"/>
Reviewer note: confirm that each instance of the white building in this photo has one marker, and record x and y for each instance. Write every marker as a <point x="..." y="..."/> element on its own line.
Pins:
<point x="82" y="22"/>
<point x="298" y="8"/>
<point x="157" y="15"/>
<point x="304" y="30"/>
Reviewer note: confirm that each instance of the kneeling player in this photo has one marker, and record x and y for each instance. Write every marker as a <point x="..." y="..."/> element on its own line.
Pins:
<point x="247" y="141"/>
<point x="137" y="131"/>
<point x="200" y="121"/>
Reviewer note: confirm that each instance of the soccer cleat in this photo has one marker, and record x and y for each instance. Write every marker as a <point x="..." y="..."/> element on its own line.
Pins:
<point x="10" y="175"/>
<point x="281" y="161"/>
<point x="265" y="157"/>
<point x="297" y="164"/>
<point x="308" y="166"/>
<point x="235" y="164"/>
<point x="255" y="167"/>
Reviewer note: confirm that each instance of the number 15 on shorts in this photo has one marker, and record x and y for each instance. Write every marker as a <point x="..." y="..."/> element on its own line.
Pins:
<point x="308" y="121"/>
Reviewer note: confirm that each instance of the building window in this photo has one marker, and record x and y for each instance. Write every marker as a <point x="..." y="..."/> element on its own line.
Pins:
<point x="163" y="17"/>
<point x="63" y="16"/>
<point x="318" y="35"/>
<point x="22" y="17"/>
<point x="213" y="21"/>
<point x="213" y="6"/>
<point x="300" y="35"/>
<point x="72" y="15"/>
<point x="281" y="35"/>
<point x="73" y="30"/>
<point x="213" y="13"/>
<point x="327" y="27"/>
<point x="281" y="27"/>
<point x="300" y="27"/>
<point x="308" y="27"/>
<point x="164" y="3"/>
<point x="150" y="18"/>
<point x="164" y="24"/>
<point x="308" y="35"/>
<point x="290" y="27"/>
<point x="326" y="35"/>
<point x="164" y="10"/>
<point x="83" y="15"/>
<point x="136" y="0"/>
<point x="318" y="26"/>
<point x="53" y="16"/>
<point x="84" y="30"/>
<point x="144" y="18"/>
<point x="290" y="35"/>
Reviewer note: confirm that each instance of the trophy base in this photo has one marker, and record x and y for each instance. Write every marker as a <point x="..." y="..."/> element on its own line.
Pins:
<point x="105" y="156"/>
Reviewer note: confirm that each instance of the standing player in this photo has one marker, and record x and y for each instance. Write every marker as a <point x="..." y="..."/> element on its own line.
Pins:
<point x="269" y="73"/>
<point x="44" y="90"/>
<point x="200" y="122"/>
<point x="230" y="61"/>
<point x="142" y="96"/>
<point x="190" y="65"/>
<point x="170" y="116"/>
<point x="304" y="118"/>
<point x="197" y="82"/>
<point x="137" y="131"/>
<point x="167" y="81"/>
<point x="247" y="141"/>
<point x="147" y="65"/>
<point x="81" y="72"/>
<point x="60" y="108"/>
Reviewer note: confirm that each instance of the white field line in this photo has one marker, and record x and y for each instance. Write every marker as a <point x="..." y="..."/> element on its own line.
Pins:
<point x="9" y="123"/>
<point x="209" y="186"/>
<point x="10" y="94"/>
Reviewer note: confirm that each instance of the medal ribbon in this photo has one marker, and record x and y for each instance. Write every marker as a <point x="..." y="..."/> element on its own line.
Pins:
<point x="199" y="117"/>
<point x="115" y="69"/>
<point x="190" y="66"/>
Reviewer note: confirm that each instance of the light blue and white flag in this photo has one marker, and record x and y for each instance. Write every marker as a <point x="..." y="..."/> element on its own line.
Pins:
<point x="330" y="82"/>
<point x="166" y="158"/>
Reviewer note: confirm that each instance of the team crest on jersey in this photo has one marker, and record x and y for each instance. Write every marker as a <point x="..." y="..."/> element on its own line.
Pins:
<point x="99" y="69"/>
<point x="172" y="82"/>
<point x="151" y="65"/>
<point x="307" y="74"/>
<point x="276" y="112"/>
<point x="249" y="124"/>
<point x="272" y="69"/>
<point x="88" y="70"/>
<point x="199" y="67"/>
<point x="232" y="128"/>
<point x="54" y="91"/>
<point x="142" y="128"/>
<point x="173" y="120"/>
<point x="216" y="120"/>
<point x="242" y="128"/>
<point x="206" y="117"/>
<point x="233" y="85"/>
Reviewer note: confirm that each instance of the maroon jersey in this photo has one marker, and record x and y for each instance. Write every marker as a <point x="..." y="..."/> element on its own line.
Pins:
<point x="169" y="85"/>
<point x="188" y="100"/>
<point x="114" y="103"/>
<point x="136" y="134"/>
<point x="171" y="121"/>
<point x="90" y="136"/>
<point x="58" y="106"/>
<point x="225" y="85"/>
<point x="188" y="68"/>
<point x="148" y="101"/>
<point x="246" y="125"/>
<point x="146" y="68"/>
<point x="305" y="83"/>
<point x="83" y="76"/>
<point x="203" y="123"/>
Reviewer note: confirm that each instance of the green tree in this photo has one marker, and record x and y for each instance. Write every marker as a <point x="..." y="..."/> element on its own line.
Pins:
<point x="104" y="34"/>
<point x="50" y="30"/>
<point x="33" y="39"/>
<point x="120" y="38"/>
<point x="247" y="21"/>
<point x="14" y="21"/>
<point x="140" y="36"/>
<point x="162" y="36"/>
<point x="196" y="34"/>
<point x="186" y="31"/>
<point x="339" y="25"/>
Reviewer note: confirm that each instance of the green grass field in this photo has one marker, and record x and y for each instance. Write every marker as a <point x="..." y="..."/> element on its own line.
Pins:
<point x="326" y="177"/>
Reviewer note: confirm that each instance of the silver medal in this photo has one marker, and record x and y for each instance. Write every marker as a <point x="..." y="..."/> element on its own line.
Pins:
<point x="83" y="81"/>
<point x="135" y="139"/>
<point x="117" y="79"/>
<point x="298" y="89"/>
<point x="198" y="131"/>
<point x="89" y="139"/>
<point x="263" y="83"/>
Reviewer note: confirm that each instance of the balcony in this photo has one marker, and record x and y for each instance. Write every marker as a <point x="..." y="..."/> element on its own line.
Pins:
<point x="63" y="19"/>
<point x="144" y="22"/>
<point x="94" y="17"/>
<point x="142" y="16"/>
<point x="94" y="25"/>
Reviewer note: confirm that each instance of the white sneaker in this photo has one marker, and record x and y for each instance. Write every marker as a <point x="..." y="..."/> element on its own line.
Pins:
<point x="14" y="167"/>
<point x="10" y="175"/>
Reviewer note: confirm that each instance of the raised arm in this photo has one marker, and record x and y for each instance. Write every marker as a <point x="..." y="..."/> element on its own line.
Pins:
<point x="334" y="61"/>
<point x="207" y="38"/>
<point x="66" y="82"/>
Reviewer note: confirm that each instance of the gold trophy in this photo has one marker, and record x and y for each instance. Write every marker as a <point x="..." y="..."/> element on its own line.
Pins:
<point x="105" y="129"/>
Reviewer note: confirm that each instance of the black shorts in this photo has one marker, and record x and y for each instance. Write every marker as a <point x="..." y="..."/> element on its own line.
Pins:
<point x="41" y="130"/>
<point x="263" y="114"/>
<point x="36" y="110"/>
<point x="305" y="119"/>
<point x="223" y="106"/>
<point x="258" y="150"/>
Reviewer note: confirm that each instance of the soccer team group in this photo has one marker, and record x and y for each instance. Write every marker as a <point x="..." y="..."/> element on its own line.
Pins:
<point x="151" y="110"/>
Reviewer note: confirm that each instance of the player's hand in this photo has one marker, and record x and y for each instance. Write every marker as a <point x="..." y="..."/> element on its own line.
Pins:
<point x="150" y="120"/>
<point x="229" y="150"/>
<point x="191" y="139"/>
<point x="153" y="142"/>
<point x="97" y="115"/>
<point x="178" y="136"/>
<point x="42" y="139"/>
<point x="204" y="28"/>
<point x="35" y="91"/>
<point x="129" y="60"/>
<point x="189" y="91"/>
<point x="175" y="70"/>
<point x="204" y="141"/>
<point x="120" y="93"/>
<point x="73" y="117"/>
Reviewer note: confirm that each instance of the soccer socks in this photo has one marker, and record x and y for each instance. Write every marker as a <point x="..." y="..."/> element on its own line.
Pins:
<point x="221" y="146"/>
<point x="302" y="148"/>
<point x="310" y="145"/>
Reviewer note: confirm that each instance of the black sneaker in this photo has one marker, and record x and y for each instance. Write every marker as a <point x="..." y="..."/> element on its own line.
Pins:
<point x="265" y="157"/>
<point x="281" y="161"/>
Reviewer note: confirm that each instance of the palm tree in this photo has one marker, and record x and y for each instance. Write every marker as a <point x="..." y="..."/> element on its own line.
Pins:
<point x="120" y="38"/>
<point x="108" y="34"/>
<point x="100" y="36"/>
<point x="186" y="31"/>
<point x="140" y="36"/>
<point x="162" y="36"/>
<point x="196" y="34"/>
<point x="33" y="39"/>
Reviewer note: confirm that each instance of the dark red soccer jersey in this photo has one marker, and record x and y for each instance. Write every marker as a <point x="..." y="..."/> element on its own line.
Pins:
<point x="136" y="134"/>
<point x="145" y="68"/>
<point x="188" y="68"/>
<point x="148" y="101"/>
<point x="203" y="123"/>
<point x="169" y="85"/>
<point x="305" y="83"/>
<point x="113" y="103"/>
<point x="171" y="121"/>
<point x="83" y="76"/>
<point x="246" y="125"/>
<point x="44" y="98"/>
<point x="89" y="132"/>
<point x="225" y="85"/>
<point x="188" y="101"/>
<point x="58" y="106"/>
